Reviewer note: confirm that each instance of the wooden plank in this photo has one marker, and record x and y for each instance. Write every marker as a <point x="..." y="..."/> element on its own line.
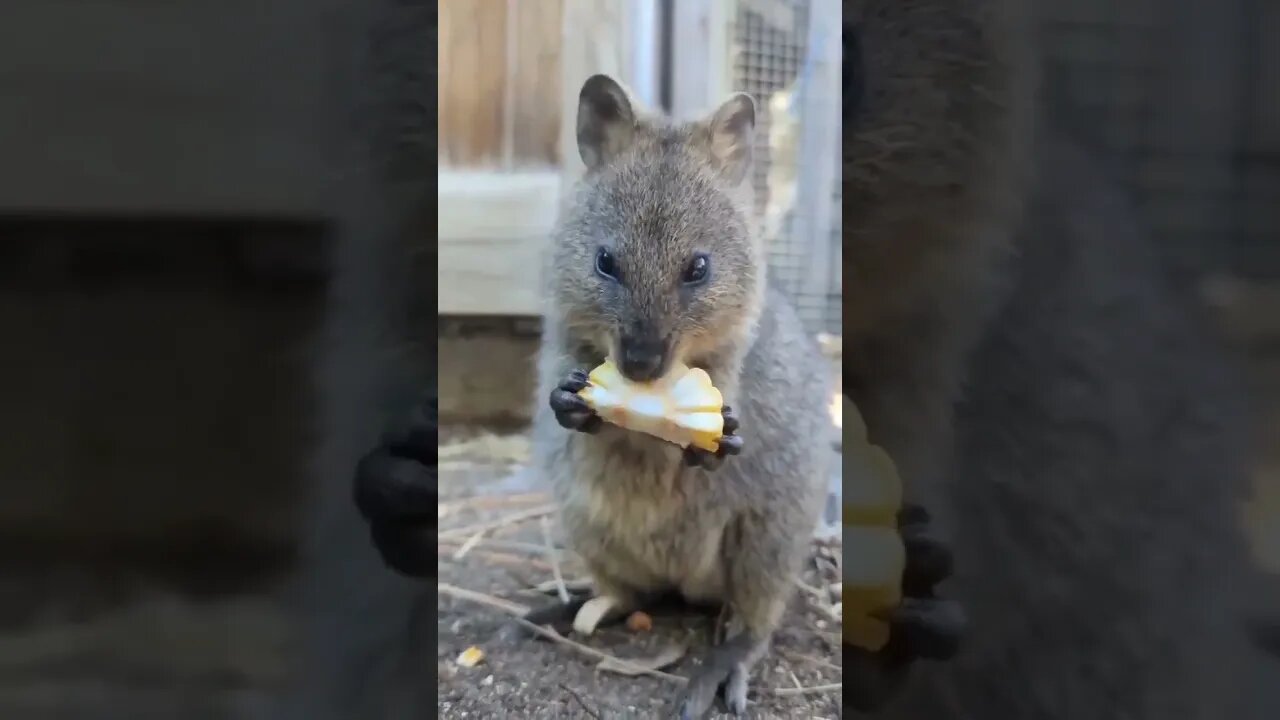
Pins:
<point x="596" y="40"/>
<point x="538" y="39"/>
<point x="493" y="227"/>
<point x="819" y="142"/>
<point x="472" y="81"/>
<point x="492" y="231"/>
<point x="495" y="205"/>
<point x="644" y="27"/>
<point x="487" y="377"/>
<point x="700" y="50"/>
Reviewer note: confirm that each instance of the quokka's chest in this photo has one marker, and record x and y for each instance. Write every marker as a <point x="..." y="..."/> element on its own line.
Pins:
<point x="637" y="485"/>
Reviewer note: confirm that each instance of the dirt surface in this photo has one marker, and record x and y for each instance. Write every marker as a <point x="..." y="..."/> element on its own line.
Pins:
<point x="481" y="481"/>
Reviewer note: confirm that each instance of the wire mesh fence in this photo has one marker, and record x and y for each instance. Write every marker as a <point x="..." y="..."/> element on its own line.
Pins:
<point x="770" y="53"/>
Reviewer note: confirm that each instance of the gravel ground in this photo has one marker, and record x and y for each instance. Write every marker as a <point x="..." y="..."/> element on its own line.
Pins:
<point x="535" y="678"/>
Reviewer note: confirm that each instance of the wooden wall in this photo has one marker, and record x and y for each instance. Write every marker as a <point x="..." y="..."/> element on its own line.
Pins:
<point x="500" y="83"/>
<point x="509" y="78"/>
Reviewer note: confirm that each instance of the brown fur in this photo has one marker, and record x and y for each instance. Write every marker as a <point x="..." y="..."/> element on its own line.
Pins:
<point x="643" y="521"/>
<point x="1010" y="340"/>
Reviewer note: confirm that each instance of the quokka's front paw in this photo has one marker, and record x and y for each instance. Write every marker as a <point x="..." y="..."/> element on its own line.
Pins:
<point x="571" y="411"/>
<point x="730" y="444"/>
<point x="925" y="626"/>
<point x="396" y="491"/>
<point x="922" y="627"/>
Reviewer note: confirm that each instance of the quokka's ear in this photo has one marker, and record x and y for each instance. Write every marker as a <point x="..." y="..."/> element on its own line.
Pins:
<point x="732" y="128"/>
<point x="606" y="121"/>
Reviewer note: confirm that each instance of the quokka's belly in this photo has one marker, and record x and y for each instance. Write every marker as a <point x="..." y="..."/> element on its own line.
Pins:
<point x="641" y="517"/>
<point x="686" y="557"/>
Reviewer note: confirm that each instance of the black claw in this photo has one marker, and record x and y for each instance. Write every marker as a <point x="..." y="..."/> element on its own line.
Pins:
<point x="929" y="562"/>
<point x="697" y="457"/>
<point x="395" y="488"/>
<point x="389" y="487"/>
<point x="925" y="628"/>
<point x="575" y="381"/>
<point x="571" y="411"/>
<point x="417" y="438"/>
<point x="592" y="424"/>
<point x="729" y="445"/>
<point x="912" y="514"/>
<point x="404" y="548"/>
<point x="565" y="401"/>
<point x="730" y="420"/>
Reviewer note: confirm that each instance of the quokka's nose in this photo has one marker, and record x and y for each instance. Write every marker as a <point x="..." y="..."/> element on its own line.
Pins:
<point x="643" y="361"/>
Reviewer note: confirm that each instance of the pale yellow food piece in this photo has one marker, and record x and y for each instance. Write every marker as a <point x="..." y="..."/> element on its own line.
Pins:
<point x="872" y="491"/>
<point x="873" y="560"/>
<point x="471" y="657"/>
<point x="873" y="554"/>
<point x="683" y="407"/>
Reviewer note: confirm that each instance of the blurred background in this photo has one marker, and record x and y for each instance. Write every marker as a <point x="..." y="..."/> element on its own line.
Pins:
<point x="163" y="228"/>
<point x="1182" y="99"/>
<point x="162" y="265"/>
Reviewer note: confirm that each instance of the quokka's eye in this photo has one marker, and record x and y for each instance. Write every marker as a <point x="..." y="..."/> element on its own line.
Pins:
<point x="697" y="271"/>
<point x="606" y="265"/>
